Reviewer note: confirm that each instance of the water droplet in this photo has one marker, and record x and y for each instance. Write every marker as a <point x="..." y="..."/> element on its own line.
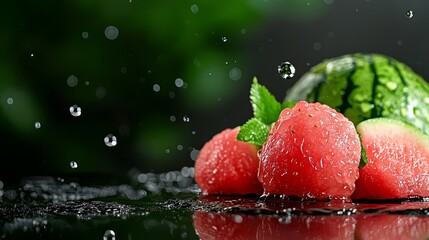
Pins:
<point x="391" y="85"/>
<point x="109" y="235"/>
<point x="9" y="101"/>
<point x="37" y="125"/>
<point x="167" y="150"/>
<point x="156" y="87"/>
<point x="317" y="46"/>
<point x="286" y="70"/>
<point x="72" y="81"/>
<point x="87" y="83"/>
<point x="186" y="118"/>
<point x="32" y="55"/>
<point x="178" y="82"/>
<point x="193" y="132"/>
<point x="399" y="43"/>
<point x="111" y="32"/>
<point x="194" y="8"/>
<point x="409" y="14"/>
<point x="73" y="164"/>
<point x="75" y="110"/>
<point x="235" y="74"/>
<point x="194" y="154"/>
<point x="179" y="147"/>
<point x="224" y="39"/>
<point x="85" y="35"/>
<point x="100" y="92"/>
<point x="172" y="118"/>
<point x="110" y="140"/>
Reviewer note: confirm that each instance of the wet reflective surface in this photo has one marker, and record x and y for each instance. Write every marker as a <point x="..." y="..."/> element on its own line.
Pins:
<point x="169" y="206"/>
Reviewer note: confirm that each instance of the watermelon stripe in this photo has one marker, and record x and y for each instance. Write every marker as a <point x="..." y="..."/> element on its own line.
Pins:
<point x="404" y="82"/>
<point x="376" y="111"/>
<point x="349" y="88"/>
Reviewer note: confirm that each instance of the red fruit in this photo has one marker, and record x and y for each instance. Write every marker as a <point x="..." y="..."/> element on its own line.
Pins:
<point x="312" y="152"/>
<point x="398" y="161"/>
<point x="228" y="166"/>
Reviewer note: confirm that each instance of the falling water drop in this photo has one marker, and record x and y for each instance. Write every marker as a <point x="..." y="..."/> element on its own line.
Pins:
<point x="111" y="32"/>
<point x="72" y="81"/>
<point x="75" y="110"/>
<point x="224" y="39"/>
<point x="286" y="70"/>
<point x="37" y="125"/>
<point x="109" y="235"/>
<point x="9" y="101"/>
<point x="186" y="118"/>
<point x="194" y="8"/>
<point x="73" y="164"/>
<point x="110" y="140"/>
<point x="409" y="14"/>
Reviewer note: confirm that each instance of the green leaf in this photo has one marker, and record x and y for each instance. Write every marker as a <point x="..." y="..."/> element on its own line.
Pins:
<point x="254" y="131"/>
<point x="288" y="104"/>
<point x="265" y="106"/>
<point x="363" y="159"/>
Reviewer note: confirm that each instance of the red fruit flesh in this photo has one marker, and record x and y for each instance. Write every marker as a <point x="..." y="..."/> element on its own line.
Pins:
<point x="398" y="161"/>
<point x="227" y="166"/>
<point x="312" y="152"/>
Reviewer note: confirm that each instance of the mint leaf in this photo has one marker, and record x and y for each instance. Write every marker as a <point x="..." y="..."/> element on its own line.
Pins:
<point x="254" y="131"/>
<point x="264" y="104"/>
<point x="363" y="159"/>
<point x="288" y="104"/>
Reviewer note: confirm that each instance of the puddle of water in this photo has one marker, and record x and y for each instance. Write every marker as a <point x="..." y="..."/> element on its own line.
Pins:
<point x="46" y="207"/>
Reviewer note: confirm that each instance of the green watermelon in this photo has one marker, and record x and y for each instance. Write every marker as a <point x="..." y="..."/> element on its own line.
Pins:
<point x="364" y="86"/>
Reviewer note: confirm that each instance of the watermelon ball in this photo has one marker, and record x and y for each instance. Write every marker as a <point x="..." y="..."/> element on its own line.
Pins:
<point x="312" y="151"/>
<point x="227" y="166"/>
<point x="398" y="160"/>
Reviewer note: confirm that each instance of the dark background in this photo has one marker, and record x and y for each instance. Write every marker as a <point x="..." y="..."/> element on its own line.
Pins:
<point x="201" y="42"/>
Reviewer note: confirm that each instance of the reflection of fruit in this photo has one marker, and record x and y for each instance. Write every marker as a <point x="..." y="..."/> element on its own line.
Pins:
<point x="307" y="227"/>
<point x="231" y="226"/>
<point x="227" y="166"/>
<point x="312" y="152"/>
<point x="392" y="227"/>
<point x="211" y="226"/>
<point x="363" y="86"/>
<point x="398" y="160"/>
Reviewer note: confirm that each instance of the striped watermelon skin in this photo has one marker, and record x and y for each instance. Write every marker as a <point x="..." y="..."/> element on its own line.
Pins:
<point x="364" y="86"/>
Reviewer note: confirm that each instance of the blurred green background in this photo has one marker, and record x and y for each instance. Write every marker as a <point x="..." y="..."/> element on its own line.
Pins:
<point x="165" y="76"/>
